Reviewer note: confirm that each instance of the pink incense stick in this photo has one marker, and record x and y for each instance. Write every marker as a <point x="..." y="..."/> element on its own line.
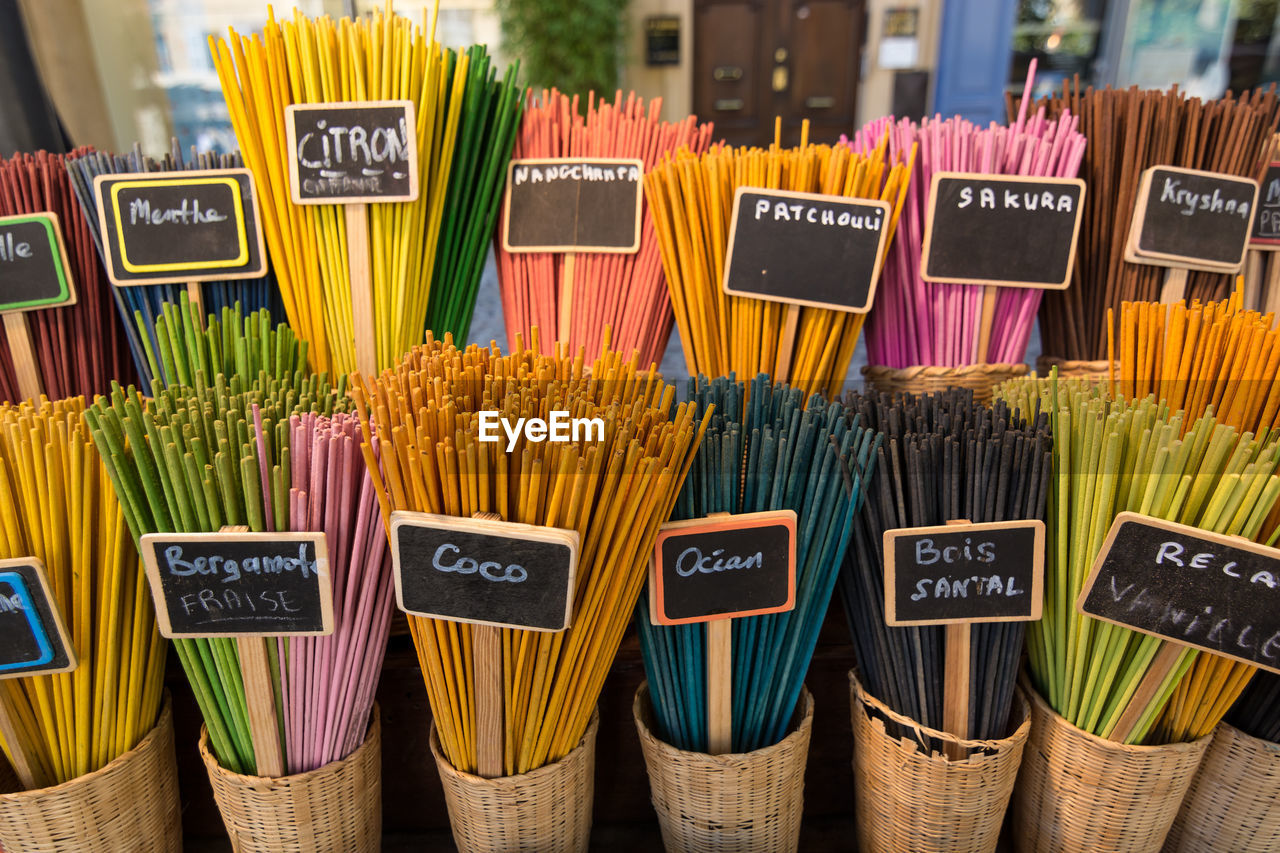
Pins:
<point x="915" y="322"/>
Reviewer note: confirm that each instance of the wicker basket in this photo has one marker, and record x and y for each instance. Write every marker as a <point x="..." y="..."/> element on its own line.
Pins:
<point x="335" y="808"/>
<point x="979" y="378"/>
<point x="1232" y="801"/>
<point x="1078" y="791"/>
<point x="744" y="803"/>
<point x="129" y="806"/>
<point x="1068" y="369"/>
<point x="547" y="810"/>
<point x="911" y="800"/>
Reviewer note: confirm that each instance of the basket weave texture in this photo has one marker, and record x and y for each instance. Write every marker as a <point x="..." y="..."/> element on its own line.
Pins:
<point x="333" y="809"/>
<point x="1072" y="369"/>
<point x="741" y="803"/>
<point x="1232" y="804"/>
<point x="981" y="379"/>
<point x="1078" y="791"/>
<point x="911" y="800"/>
<point x="131" y="805"/>
<point x="547" y="810"/>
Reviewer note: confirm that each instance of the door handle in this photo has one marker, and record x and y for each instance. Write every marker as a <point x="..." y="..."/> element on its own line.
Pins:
<point x="722" y="73"/>
<point x="781" y="78"/>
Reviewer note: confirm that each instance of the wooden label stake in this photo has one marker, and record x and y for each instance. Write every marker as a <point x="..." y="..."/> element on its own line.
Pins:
<point x="18" y="757"/>
<point x="195" y="295"/>
<point x="720" y="675"/>
<point x="259" y="697"/>
<point x="787" y="345"/>
<point x="1000" y="562"/>
<point x="486" y="649"/>
<point x="1164" y="663"/>
<point x="361" y="277"/>
<point x="720" y="686"/>
<point x="33" y="641"/>
<point x="684" y="589"/>
<point x="24" y="356"/>
<point x="492" y="575"/>
<point x="565" y="322"/>
<point x="955" y="685"/>
<point x="1175" y="286"/>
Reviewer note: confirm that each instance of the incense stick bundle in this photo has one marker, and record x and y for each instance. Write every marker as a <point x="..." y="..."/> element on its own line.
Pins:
<point x="487" y="130"/>
<point x="81" y="348"/>
<point x="421" y="431"/>
<point x="140" y="306"/>
<point x="691" y="198"/>
<point x="381" y="57"/>
<point x="1257" y="711"/>
<point x="1199" y="357"/>
<point x="916" y="322"/>
<point x="1108" y="457"/>
<point x="764" y="450"/>
<point x="1129" y="131"/>
<point x="267" y="452"/>
<point x="1212" y="358"/>
<point x="625" y="292"/>
<point x="939" y="458"/>
<point x="59" y="507"/>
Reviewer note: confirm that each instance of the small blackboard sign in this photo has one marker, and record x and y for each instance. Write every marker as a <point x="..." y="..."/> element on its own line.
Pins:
<point x="33" y="635"/>
<point x="177" y="227"/>
<point x="723" y="567"/>
<point x="34" y="272"/>
<point x="349" y="152"/>
<point x="824" y="251"/>
<point x="1266" y="219"/>
<point x="1005" y="230"/>
<point x="579" y="204"/>
<point x="239" y="584"/>
<point x="484" y="572"/>
<point x="1191" y="219"/>
<point x="1206" y="590"/>
<point x="988" y="572"/>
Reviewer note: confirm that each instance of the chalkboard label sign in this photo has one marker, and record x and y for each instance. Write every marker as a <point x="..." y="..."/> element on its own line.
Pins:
<point x="239" y="584"/>
<point x="352" y="151"/>
<point x="1206" y="590"/>
<point x="33" y="635"/>
<point x="823" y="251"/>
<point x="34" y="272"/>
<point x="580" y="204"/>
<point x="988" y="572"/>
<point x="173" y="227"/>
<point x="1266" y="219"/>
<point x="723" y="567"/>
<point x="1005" y="230"/>
<point x="484" y="572"/>
<point x="1191" y="219"/>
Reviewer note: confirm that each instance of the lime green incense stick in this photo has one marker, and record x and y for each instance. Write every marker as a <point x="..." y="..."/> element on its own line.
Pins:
<point x="1112" y="456"/>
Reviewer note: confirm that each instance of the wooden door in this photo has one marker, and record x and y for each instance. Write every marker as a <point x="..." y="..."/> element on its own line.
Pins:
<point x="755" y="60"/>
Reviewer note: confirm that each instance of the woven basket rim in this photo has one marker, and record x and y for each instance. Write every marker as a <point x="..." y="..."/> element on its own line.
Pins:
<point x="727" y="759"/>
<point x="1132" y="748"/>
<point x="166" y="710"/>
<point x="267" y="782"/>
<point x="1019" y="733"/>
<point x="1052" y="360"/>
<point x="1226" y="728"/>
<point x="942" y="372"/>
<point x="445" y="766"/>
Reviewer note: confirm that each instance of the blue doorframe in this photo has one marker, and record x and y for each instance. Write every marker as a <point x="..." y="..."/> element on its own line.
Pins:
<point x="975" y="50"/>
